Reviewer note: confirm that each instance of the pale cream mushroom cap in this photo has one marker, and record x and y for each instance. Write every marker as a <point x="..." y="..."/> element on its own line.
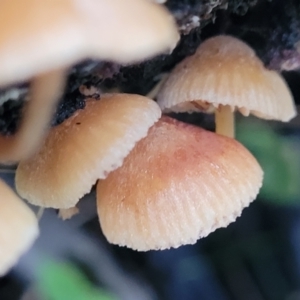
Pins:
<point x="40" y="40"/>
<point x="84" y="148"/>
<point x="177" y="185"/>
<point x="226" y="71"/>
<point x="38" y="36"/>
<point x="19" y="228"/>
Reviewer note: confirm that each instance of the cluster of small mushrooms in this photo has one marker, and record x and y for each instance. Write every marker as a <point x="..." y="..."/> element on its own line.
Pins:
<point x="161" y="183"/>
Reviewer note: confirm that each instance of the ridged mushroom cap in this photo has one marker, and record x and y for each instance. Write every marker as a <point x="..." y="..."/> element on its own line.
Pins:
<point x="84" y="148"/>
<point x="38" y="36"/>
<point x="19" y="228"/>
<point x="224" y="70"/>
<point x="177" y="185"/>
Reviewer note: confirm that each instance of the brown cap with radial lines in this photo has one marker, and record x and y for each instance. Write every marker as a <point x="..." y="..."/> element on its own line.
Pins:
<point x="226" y="71"/>
<point x="19" y="228"/>
<point x="38" y="36"/>
<point x="84" y="148"/>
<point x="177" y="185"/>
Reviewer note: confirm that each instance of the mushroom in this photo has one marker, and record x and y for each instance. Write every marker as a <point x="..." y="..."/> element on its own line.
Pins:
<point x="40" y="40"/>
<point x="84" y="148"/>
<point x="19" y="228"/>
<point x="223" y="75"/>
<point x="177" y="185"/>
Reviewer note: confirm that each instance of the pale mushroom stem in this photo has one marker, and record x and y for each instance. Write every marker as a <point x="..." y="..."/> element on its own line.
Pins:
<point x="45" y="91"/>
<point x="68" y="213"/>
<point x="40" y="213"/>
<point x="153" y="93"/>
<point x="224" y="118"/>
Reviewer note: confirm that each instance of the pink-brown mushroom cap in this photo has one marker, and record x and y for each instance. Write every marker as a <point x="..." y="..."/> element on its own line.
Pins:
<point x="177" y="185"/>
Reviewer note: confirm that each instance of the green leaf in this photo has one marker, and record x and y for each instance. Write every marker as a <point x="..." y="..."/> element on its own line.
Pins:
<point x="62" y="281"/>
<point x="279" y="158"/>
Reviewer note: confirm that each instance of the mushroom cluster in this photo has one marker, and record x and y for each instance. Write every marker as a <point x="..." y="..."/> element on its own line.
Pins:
<point x="156" y="189"/>
<point x="177" y="184"/>
<point x="39" y="42"/>
<point x="161" y="183"/>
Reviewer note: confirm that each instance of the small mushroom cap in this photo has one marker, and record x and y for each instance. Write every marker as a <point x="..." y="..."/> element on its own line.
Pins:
<point x="38" y="36"/>
<point x="19" y="228"/>
<point x="224" y="70"/>
<point x="177" y="185"/>
<point x="85" y="147"/>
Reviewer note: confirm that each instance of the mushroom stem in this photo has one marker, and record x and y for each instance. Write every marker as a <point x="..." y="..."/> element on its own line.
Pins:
<point x="224" y="118"/>
<point x="153" y="93"/>
<point x="45" y="91"/>
<point x="68" y="213"/>
<point x="40" y="213"/>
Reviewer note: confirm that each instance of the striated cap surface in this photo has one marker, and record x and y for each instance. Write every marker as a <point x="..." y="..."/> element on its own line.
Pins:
<point x="84" y="148"/>
<point x="177" y="185"/>
<point x="226" y="71"/>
